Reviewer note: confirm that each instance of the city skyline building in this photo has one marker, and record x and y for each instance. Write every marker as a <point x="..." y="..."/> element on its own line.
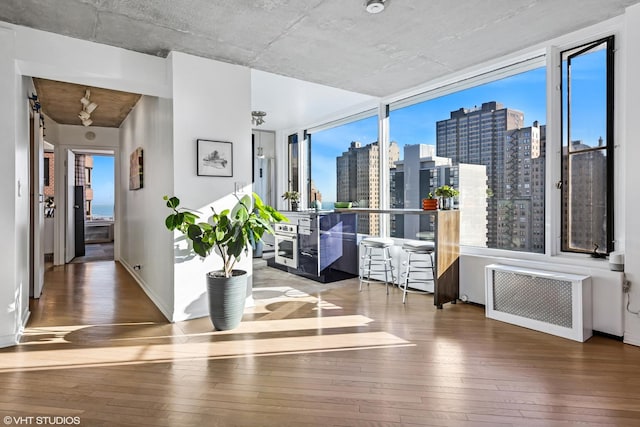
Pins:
<point x="419" y="174"/>
<point x="357" y="179"/>
<point x="585" y="200"/>
<point x="477" y="136"/>
<point x="521" y="203"/>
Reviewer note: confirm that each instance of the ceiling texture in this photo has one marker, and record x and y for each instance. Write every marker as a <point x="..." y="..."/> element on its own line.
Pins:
<point x="61" y="102"/>
<point x="330" y="42"/>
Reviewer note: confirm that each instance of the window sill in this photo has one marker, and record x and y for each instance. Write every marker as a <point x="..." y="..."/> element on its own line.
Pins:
<point x="568" y="259"/>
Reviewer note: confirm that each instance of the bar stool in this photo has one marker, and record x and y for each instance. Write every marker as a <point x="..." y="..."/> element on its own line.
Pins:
<point x="376" y="258"/>
<point x="417" y="264"/>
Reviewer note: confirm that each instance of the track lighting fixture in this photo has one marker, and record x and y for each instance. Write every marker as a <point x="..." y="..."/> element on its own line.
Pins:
<point x="87" y="108"/>
<point x="257" y="117"/>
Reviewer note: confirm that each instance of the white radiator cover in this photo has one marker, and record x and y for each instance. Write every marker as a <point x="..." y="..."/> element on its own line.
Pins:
<point x="546" y="301"/>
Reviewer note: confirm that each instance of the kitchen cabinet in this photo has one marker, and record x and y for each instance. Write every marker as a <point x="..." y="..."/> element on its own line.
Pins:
<point x="327" y="247"/>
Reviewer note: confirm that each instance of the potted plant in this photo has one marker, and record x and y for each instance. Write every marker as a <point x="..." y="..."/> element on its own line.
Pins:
<point x="293" y="197"/>
<point x="228" y="233"/>
<point x="430" y="203"/>
<point x="446" y="194"/>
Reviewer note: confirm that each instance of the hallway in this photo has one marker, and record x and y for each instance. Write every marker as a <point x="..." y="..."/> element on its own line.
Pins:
<point x="307" y="354"/>
<point x="91" y="293"/>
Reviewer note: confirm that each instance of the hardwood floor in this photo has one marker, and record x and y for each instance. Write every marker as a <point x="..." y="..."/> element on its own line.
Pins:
<point x="306" y="355"/>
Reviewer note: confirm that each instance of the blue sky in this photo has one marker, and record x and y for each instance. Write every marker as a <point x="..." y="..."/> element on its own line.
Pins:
<point x="415" y="124"/>
<point x="103" y="180"/>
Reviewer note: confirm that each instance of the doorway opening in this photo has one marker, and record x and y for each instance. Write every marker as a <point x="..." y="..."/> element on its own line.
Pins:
<point x="94" y="196"/>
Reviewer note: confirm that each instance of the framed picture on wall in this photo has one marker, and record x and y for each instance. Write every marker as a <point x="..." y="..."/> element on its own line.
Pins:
<point x="215" y="158"/>
<point x="135" y="170"/>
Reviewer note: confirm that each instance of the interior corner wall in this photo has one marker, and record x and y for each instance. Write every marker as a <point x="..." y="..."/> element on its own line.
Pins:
<point x="143" y="239"/>
<point x="211" y="100"/>
<point x="14" y="192"/>
<point x="632" y="154"/>
<point x="23" y="205"/>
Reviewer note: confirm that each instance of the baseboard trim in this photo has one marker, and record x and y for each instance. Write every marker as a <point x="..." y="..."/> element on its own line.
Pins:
<point x="191" y="316"/>
<point x="152" y="296"/>
<point x="11" y="340"/>
<point x="8" y="341"/>
<point x="631" y="339"/>
<point x="26" y="315"/>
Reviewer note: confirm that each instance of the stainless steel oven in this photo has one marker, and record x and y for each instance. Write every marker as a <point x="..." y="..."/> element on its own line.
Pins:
<point x="286" y="244"/>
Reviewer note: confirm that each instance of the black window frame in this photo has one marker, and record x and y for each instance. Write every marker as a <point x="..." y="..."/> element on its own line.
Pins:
<point x="565" y="183"/>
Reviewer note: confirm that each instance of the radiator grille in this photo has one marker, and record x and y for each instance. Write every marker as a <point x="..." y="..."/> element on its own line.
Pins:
<point x="538" y="298"/>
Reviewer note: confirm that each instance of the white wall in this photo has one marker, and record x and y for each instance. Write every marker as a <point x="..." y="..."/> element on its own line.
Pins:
<point x="14" y="192"/>
<point x="27" y="52"/>
<point x="75" y="136"/>
<point x="632" y="155"/>
<point x="143" y="239"/>
<point x="56" y="57"/>
<point x="23" y="207"/>
<point x="211" y="100"/>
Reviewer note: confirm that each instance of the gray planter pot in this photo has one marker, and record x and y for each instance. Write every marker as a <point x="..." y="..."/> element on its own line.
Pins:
<point x="226" y="298"/>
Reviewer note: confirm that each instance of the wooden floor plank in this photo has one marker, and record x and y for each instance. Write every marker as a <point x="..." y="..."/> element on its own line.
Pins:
<point x="307" y="354"/>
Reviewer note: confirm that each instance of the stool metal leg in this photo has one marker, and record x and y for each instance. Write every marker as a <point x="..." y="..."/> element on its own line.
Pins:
<point x="406" y="278"/>
<point x="362" y="265"/>
<point x="387" y="268"/>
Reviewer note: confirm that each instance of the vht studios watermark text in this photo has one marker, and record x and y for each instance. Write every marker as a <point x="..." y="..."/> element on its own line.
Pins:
<point x="41" y="421"/>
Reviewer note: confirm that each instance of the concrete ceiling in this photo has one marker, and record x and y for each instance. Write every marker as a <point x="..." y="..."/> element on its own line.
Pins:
<point x="61" y="102"/>
<point x="330" y="42"/>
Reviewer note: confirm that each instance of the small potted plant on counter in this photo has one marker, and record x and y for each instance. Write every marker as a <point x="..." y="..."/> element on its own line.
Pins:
<point x="430" y="203"/>
<point x="229" y="233"/>
<point x="446" y="194"/>
<point x="293" y="197"/>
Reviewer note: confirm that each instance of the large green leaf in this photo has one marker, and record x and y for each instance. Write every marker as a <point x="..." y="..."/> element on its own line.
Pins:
<point x="172" y="202"/>
<point x="200" y="248"/>
<point x="205" y="226"/>
<point x="169" y="222"/>
<point x="257" y="201"/>
<point x="194" y="232"/>
<point x="190" y="217"/>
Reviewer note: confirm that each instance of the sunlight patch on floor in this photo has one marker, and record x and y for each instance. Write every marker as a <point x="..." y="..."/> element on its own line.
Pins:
<point x="174" y="352"/>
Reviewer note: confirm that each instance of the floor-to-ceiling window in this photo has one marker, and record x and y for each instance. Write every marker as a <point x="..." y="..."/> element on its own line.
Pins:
<point x="488" y="137"/>
<point x="488" y="142"/>
<point x="345" y="166"/>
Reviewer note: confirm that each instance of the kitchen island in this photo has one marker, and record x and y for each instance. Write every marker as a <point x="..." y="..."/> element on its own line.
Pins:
<point x="446" y="237"/>
<point x="326" y="246"/>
